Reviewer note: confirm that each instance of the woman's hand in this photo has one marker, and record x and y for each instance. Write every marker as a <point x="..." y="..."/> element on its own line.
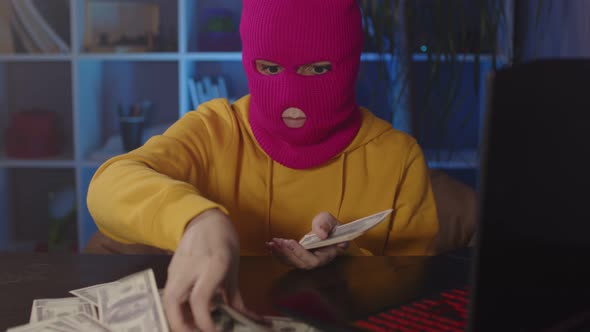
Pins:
<point x="292" y="253"/>
<point x="204" y="264"/>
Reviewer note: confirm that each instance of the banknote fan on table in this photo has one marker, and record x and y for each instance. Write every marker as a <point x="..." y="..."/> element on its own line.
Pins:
<point x="132" y="303"/>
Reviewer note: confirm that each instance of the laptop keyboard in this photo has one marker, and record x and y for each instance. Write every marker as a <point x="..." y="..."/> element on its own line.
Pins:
<point x="446" y="311"/>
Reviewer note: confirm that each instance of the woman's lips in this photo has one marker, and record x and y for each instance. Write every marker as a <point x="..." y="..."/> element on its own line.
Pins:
<point x="294" y="117"/>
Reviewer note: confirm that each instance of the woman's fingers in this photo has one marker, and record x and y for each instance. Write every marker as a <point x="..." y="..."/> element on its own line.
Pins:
<point x="175" y="297"/>
<point x="322" y="224"/>
<point x="327" y="254"/>
<point x="202" y="294"/>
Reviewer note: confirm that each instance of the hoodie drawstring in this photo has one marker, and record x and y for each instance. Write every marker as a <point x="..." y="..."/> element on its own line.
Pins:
<point x="268" y="197"/>
<point x="342" y="186"/>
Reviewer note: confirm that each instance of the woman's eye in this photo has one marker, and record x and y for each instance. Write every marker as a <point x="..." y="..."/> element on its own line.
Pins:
<point x="322" y="69"/>
<point x="315" y="69"/>
<point x="268" y="68"/>
<point x="272" y="69"/>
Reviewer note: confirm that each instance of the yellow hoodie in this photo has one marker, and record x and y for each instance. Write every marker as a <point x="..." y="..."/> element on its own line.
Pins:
<point x="210" y="159"/>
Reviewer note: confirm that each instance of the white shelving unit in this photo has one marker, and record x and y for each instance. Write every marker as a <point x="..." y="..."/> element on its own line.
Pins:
<point x="86" y="88"/>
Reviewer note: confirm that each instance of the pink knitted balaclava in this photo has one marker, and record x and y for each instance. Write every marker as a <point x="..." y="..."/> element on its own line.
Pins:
<point x="292" y="33"/>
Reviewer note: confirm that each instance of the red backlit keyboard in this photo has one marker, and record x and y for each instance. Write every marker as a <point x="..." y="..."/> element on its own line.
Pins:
<point x="446" y="311"/>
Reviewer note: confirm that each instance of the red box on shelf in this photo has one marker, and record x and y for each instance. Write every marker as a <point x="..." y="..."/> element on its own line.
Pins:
<point x="33" y="134"/>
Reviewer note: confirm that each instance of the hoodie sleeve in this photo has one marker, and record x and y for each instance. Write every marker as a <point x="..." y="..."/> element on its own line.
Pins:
<point x="415" y="224"/>
<point x="148" y="196"/>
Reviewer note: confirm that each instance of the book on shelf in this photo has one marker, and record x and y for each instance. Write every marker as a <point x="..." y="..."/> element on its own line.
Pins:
<point x="32" y="31"/>
<point x="6" y="40"/>
<point x="192" y="89"/>
<point x="22" y="41"/>
<point x="52" y="41"/>
<point x="57" y="15"/>
<point x="205" y="89"/>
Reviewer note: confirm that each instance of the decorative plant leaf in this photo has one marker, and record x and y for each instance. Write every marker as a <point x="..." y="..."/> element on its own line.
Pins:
<point x="539" y="12"/>
<point x="393" y="28"/>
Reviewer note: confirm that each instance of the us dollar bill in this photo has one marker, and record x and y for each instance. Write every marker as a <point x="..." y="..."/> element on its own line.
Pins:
<point x="345" y="232"/>
<point x="55" y="324"/>
<point x="44" y="309"/>
<point x="84" y="322"/>
<point x="241" y="322"/>
<point x="133" y="304"/>
<point x="286" y="324"/>
<point x="90" y="294"/>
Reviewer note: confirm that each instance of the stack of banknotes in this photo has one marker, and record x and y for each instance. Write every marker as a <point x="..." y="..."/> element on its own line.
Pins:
<point x="133" y="304"/>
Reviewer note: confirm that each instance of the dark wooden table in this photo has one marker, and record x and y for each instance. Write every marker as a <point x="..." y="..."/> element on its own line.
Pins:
<point x="353" y="287"/>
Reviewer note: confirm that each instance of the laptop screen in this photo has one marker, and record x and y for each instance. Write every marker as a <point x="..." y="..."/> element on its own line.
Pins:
<point x="534" y="241"/>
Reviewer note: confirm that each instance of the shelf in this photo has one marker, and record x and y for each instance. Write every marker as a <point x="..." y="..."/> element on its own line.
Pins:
<point x="35" y="57"/>
<point x="130" y="56"/>
<point x="463" y="57"/>
<point x="42" y="86"/>
<point x="85" y="86"/>
<point x="206" y="56"/>
<point x="107" y="84"/>
<point x="459" y="159"/>
<point x="423" y="57"/>
<point x="367" y="57"/>
<point x="33" y="196"/>
<point x="374" y="57"/>
<point x="38" y="163"/>
<point x="214" y="56"/>
<point x="92" y="163"/>
<point x="102" y="25"/>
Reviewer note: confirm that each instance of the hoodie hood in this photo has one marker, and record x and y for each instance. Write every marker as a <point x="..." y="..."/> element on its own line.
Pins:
<point x="371" y="128"/>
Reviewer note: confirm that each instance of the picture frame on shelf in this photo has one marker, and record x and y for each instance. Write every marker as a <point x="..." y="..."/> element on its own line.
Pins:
<point x="122" y="27"/>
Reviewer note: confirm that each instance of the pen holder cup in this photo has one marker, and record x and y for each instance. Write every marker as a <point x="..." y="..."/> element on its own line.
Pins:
<point x="132" y="132"/>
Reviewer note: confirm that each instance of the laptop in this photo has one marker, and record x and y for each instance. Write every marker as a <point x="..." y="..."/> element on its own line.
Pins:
<point x="528" y="270"/>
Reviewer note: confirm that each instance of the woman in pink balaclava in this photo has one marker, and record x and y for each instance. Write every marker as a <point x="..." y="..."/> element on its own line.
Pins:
<point x="297" y="155"/>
